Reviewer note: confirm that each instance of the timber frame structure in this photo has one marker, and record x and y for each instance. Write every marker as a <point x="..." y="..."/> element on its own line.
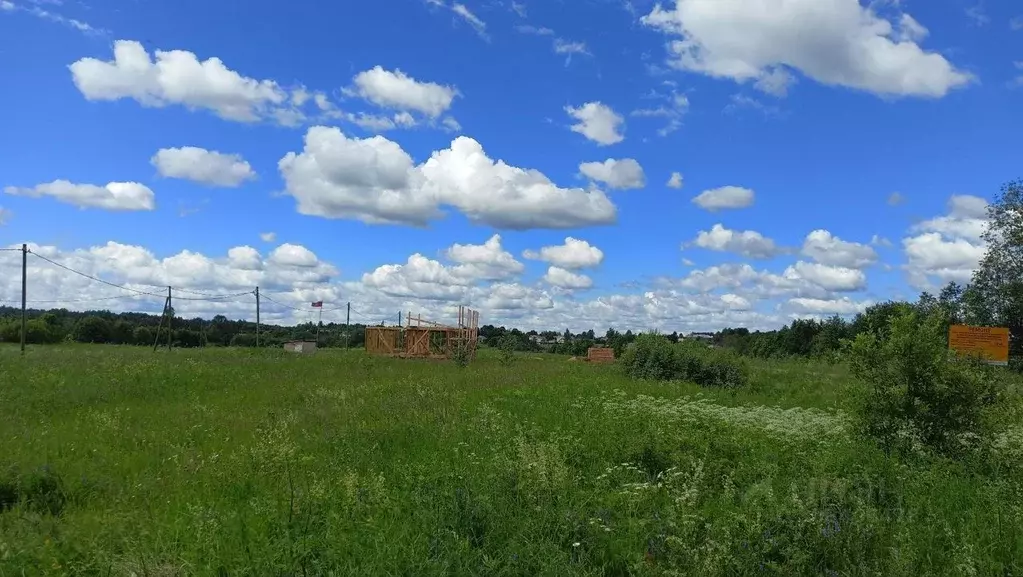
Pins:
<point x="423" y="339"/>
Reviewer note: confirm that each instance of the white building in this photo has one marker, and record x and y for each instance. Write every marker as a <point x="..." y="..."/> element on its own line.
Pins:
<point x="300" y="346"/>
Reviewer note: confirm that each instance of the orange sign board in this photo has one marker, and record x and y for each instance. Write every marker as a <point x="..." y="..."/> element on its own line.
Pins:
<point x="989" y="343"/>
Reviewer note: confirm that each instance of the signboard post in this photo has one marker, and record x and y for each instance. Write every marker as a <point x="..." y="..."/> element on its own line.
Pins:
<point x="991" y="344"/>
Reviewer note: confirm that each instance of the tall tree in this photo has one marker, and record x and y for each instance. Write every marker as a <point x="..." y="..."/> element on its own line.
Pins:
<point x="997" y="290"/>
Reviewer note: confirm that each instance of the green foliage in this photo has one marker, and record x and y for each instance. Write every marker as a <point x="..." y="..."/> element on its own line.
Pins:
<point x="802" y="338"/>
<point x="461" y="355"/>
<point x="61" y="325"/>
<point x="243" y="340"/>
<point x="995" y="297"/>
<point x="93" y="329"/>
<point x="655" y="357"/>
<point x="143" y="336"/>
<point x="40" y="491"/>
<point x="255" y="462"/>
<point x="507" y="345"/>
<point x="918" y="397"/>
<point x="877" y="319"/>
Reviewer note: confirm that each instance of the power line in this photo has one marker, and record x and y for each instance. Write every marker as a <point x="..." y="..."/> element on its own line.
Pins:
<point x="263" y="295"/>
<point x="322" y="310"/>
<point x="95" y="299"/>
<point x="202" y="295"/>
<point x="358" y="314"/>
<point x="211" y="297"/>
<point x="207" y="297"/>
<point x="194" y="292"/>
<point x="90" y="277"/>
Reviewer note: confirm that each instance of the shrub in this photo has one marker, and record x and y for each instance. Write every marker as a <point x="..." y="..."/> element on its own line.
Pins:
<point x="507" y="345"/>
<point x="655" y="357"/>
<point x="722" y="369"/>
<point x="916" y="397"/>
<point x="652" y="357"/>
<point x="241" y="340"/>
<point x="461" y="354"/>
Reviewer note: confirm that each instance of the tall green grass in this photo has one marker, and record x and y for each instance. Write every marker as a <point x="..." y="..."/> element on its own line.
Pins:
<point x="121" y="461"/>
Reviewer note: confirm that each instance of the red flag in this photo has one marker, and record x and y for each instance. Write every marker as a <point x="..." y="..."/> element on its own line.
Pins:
<point x="318" y="305"/>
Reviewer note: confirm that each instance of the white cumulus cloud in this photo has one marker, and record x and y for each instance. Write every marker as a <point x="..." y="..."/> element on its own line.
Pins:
<point x="676" y="181"/>
<point x="573" y="254"/>
<point x="420" y="277"/>
<point x="618" y="174"/>
<point x="830" y="278"/>
<point x="203" y="166"/>
<point x="374" y="180"/>
<point x="597" y="122"/>
<point x="746" y="243"/>
<point x="825" y="248"/>
<point x="966" y="218"/>
<point x="725" y="197"/>
<point x="125" y="196"/>
<point x="487" y="261"/>
<point x="395" y="89"/>
<point x="179" y="77"/>
<point x="566" y="279"/>
<point x="949" y="247"/>
<point x="294" y="255"/>
<point x="834" y="42"/>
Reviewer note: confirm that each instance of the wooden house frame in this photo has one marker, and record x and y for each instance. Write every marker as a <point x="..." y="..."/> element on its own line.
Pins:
<point x="424" y="339"/>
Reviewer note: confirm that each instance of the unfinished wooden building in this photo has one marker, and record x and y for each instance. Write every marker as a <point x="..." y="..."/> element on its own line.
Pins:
<point x="419" y="338"/>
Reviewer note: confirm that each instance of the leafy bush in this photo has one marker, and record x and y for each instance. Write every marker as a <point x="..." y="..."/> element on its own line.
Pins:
<point x="507" y="345"/>
<point x="917" y="398"/>
<point x="461" y="354"/>
<point x="655" y="357"/>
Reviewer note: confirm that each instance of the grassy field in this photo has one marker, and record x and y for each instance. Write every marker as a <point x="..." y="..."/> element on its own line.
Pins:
<point x="121" y="461"/>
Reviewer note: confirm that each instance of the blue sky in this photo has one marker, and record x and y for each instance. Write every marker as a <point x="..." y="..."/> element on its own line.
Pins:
<point x="783" y="117"/>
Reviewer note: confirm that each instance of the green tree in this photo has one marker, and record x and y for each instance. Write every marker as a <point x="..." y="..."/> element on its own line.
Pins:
<point x="877" y="319"/>
<point x="996" y="294"/>
<point x="507" y="345"/>
<point x="915" y="396"/>
<point x="122" y="332"/>
<point x="92" y="329"/>
<point x="244" y="340"/>
<point x="38" y="332"/>
<point x="143" y="336"/>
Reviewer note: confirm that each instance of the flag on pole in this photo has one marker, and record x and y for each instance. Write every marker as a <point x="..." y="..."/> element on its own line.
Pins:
<point x="318" y="305"/>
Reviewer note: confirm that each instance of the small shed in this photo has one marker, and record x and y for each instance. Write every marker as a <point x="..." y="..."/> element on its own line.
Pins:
<point x="600" y="355"/>
<point x="300" y="346"/>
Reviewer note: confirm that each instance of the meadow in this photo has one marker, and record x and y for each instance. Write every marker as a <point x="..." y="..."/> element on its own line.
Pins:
<point x="116" y="460"/>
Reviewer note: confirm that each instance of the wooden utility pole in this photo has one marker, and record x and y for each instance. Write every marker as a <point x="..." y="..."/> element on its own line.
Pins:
<point x="166" y="309"/>
<point x="24" y="289"/>
<point x="170" y="318"/>
<point x="348" y="317"/>
<point x="257" y="317"/>
<point x="318" y="324"/>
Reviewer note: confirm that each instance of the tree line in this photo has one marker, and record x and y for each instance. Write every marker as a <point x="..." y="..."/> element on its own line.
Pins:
<point x="131" y="328"/>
